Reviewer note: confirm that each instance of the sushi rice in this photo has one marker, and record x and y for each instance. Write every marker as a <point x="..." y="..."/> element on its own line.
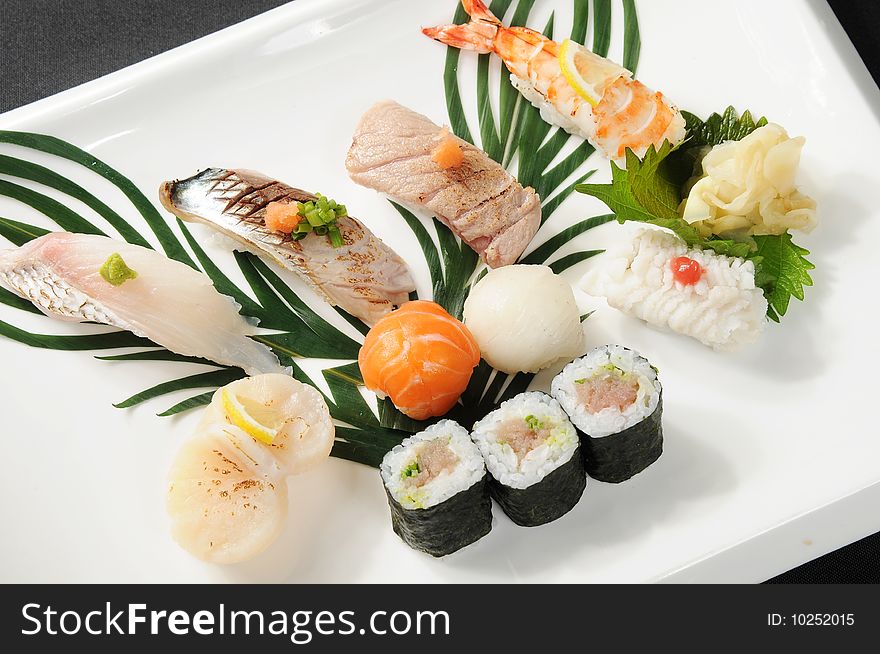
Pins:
<point x="609" y="420"/>
<point x="502" y="460"/>
<point x="468" y="470"/>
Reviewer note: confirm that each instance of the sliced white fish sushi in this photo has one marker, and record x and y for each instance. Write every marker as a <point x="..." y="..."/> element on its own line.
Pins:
<point x="719" y="305"/>
<point x="167" y="301"/>
<point x="227" y="490"/>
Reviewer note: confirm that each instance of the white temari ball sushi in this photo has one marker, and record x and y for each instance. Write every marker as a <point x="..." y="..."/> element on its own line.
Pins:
<point x="524" y="318"/>
<point x="717" y="302"/>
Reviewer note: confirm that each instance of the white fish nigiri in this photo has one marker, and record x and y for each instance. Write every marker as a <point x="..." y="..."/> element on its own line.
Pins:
<point x="524" y="318"/>
<point x="227" y="491"/>
<point x="168" y="302"/>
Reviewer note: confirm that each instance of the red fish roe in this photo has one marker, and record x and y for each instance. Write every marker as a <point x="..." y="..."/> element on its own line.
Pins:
<point x="686" y="271"/>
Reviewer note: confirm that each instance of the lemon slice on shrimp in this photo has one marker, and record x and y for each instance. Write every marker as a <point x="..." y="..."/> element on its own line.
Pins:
<point x="256" y="419"/>
<point x="588" y="73"/>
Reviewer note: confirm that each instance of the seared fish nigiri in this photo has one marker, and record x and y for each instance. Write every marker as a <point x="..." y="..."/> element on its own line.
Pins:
<point x="581" y="92"/>
<point x="82" y="277"/>
<point x="393" y="151"/>
<point x="363" y="276"/>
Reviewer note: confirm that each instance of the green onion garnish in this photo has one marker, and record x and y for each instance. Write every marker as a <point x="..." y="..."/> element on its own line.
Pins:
<point x="320" y="217"/>
<point x="533" y="423"/>
<point x="335" y="237"/>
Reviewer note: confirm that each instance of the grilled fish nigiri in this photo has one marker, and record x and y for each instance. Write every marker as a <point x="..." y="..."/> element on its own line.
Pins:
<point x="363" y="276"/>
<point x="82" y="277"/>
<point x="392" y="152"/>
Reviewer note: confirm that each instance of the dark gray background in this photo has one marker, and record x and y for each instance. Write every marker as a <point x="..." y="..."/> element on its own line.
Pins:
<point x="47" y="46"/>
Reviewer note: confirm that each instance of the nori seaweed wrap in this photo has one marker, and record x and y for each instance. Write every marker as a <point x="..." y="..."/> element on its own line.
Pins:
<point x="437" y="490"/>
<point x="614" y="398"/>
<point x="533" y="455"/>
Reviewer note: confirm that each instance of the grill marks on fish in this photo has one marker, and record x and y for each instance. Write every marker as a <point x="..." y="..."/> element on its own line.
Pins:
<point x="478" y="200"/>
<point x="363" y="276"/>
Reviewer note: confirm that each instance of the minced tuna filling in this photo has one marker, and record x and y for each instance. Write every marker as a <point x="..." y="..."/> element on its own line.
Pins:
<point x="607" y="390"/>
<point x="432" y="459"/>
<point x="521" y="436"/>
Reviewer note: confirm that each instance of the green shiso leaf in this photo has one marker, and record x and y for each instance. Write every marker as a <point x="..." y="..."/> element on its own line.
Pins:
<point x="718" y="128"/>
<point x="642" y="193"/>
<point x="650" y="191"/>
<point x="782" y="271"/>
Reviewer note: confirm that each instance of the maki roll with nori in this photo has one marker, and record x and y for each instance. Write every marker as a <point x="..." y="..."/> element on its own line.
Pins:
<point x="437" y="490"/>
<point x="614" y="398"/>
<point x="533" y="455"/>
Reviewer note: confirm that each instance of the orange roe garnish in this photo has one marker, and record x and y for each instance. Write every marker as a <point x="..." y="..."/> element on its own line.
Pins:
<point x="448" y="153"/>
<point x="282" y="217"/>
<point x="686" y="271"/>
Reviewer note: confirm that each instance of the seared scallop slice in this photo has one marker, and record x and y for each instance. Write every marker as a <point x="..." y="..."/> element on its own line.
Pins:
<point x="294" y="413"/>
<point x="225" y="507"/>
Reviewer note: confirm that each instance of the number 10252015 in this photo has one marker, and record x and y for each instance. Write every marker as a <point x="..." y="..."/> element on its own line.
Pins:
<point x="811" y="620"/>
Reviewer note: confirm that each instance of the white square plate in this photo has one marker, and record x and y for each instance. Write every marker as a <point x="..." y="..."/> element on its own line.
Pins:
<point x="772" y="455"/>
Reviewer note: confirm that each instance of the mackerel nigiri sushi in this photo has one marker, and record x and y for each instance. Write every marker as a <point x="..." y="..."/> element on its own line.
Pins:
<point x="357" y="272"/>
<point x="82" y="277"/>
<point x="581" y="92"/>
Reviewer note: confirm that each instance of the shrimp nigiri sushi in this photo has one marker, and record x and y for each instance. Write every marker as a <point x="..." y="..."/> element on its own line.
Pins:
<point x="421" y="357"/>
<point x="82" y="277"/>
<point x="575" y="89"/>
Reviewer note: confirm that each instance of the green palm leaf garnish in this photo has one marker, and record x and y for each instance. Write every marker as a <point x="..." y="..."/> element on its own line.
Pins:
<point x="290" y="327"/>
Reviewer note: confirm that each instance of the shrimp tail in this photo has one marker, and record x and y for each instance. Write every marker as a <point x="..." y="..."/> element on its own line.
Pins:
<point x="478" y="11"/>
<point x="479" y="34"/>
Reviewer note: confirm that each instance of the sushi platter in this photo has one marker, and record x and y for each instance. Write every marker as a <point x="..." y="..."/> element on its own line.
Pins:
<point x="447" y="291"/>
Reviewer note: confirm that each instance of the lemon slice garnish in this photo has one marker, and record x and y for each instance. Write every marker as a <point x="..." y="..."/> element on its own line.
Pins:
<point x="256" y="420"/>
<point x="587" y="73"/>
